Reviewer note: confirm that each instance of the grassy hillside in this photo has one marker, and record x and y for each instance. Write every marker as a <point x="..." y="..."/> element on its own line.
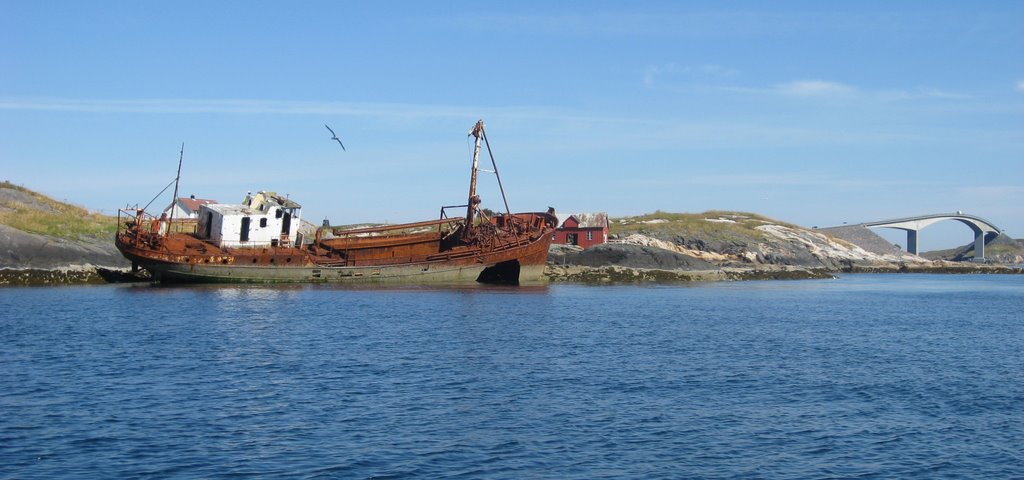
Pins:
<point x="1000" y="249"/>
<point x="714" y="224"/>
<point x="33" y="212"/>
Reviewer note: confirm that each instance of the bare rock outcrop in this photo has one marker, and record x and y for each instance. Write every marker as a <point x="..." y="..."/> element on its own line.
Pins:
<point x="19" y="249"/>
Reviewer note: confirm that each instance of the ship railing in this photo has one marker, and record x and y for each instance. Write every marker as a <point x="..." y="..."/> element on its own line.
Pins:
<point x="444" y="213"/>
<point x="133" y="221"/>
<point x="183" y="225"/>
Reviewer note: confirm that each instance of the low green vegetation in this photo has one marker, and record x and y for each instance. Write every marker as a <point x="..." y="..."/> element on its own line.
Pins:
<point x="33" y="212"/>
<point x="711" y="223"/>
<point x="993" y="251"/>
<point x="1002" y="250"/>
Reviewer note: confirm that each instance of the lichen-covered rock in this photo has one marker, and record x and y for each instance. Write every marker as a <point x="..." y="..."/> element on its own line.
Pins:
<point x="633" y="256"/>
<point x="75" y="275"/>
<point x="617" y="274"/>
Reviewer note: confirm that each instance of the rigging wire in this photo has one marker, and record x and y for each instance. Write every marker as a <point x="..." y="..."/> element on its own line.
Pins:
<point x="495" y="165"/>
<point x="161" y="193"/>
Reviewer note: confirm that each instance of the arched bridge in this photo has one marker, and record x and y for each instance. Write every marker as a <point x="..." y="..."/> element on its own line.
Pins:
<point x="983" y="229"/>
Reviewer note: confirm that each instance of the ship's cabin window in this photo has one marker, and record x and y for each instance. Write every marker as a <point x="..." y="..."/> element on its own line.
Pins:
<point x="278" y="213"/>
<point x="263" y="222"/>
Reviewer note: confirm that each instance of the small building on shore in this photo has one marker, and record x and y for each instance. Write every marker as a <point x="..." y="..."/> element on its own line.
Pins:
<point x="582" y="229"/>
<point x="186" y="207"/>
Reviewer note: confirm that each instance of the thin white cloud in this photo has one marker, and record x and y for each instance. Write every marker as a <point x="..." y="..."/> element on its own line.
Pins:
<point x="731" y="23"/>
<point x="784" y="180"/>
<point x="588" y="129"/>
<point x="675" y="73"/>
<point x="805" y="89"/>
<point x="397" y="111"/>
<point x="813" y="88"/>
<point x="920" y="93"/>
<point x="714" y="78"/>
<point x="937" y="93"/>
<point x="758" y="179"/>
<point x="993" y="192"/>
<point x="241" y="106"/>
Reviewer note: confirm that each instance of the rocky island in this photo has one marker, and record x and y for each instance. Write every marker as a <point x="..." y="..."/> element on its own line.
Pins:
<point x="719" y="245"/>
<point x="47" y="242"/>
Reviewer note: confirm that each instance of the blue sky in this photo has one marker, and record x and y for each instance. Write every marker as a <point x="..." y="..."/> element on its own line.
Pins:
<point x="816" y="113"/>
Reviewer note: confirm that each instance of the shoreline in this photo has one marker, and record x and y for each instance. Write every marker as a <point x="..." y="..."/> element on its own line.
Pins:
<point x="68" y="276"/>
<point x="613" y="274"/>
<point x="619" y="275"/>
<point x="603" y="275"/>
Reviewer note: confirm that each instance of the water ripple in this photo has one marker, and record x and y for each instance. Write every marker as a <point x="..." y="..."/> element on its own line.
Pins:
<point x="867" y="376"/>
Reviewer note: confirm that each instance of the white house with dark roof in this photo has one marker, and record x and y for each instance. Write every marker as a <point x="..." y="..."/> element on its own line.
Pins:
<point x="186" y="207"/>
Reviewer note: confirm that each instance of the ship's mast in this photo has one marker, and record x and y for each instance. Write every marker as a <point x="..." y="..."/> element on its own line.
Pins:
<point x="177" y="178"/>
<point x="474" y="200"/>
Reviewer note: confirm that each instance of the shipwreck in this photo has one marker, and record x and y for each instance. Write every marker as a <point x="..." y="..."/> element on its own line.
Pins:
<point x="258" y="241"/>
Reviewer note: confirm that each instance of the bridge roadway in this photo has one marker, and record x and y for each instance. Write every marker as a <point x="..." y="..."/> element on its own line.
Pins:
<point x="984" y="230"/>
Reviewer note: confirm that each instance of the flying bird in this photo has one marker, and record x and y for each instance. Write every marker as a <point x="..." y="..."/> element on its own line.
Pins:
<point x="335" y="137"/>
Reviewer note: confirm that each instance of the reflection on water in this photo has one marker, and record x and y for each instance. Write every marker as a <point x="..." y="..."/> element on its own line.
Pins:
<point x="173" y="288"/>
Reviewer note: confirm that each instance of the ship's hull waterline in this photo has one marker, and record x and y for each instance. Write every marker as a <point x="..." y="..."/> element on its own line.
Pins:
<point x="407" y="274"/>
<point x="523" y="265"/>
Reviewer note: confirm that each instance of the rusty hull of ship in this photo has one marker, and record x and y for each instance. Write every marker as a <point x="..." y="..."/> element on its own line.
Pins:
<point x="498" y="251"/>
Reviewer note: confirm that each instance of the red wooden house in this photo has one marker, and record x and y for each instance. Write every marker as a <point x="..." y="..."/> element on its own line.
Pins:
<point x="583" y="229"/>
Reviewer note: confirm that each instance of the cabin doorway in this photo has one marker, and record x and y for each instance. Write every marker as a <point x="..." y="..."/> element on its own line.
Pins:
<point x="243" y="235"/>
<point x="209" y="225"/>
<point x="286" y="224"/>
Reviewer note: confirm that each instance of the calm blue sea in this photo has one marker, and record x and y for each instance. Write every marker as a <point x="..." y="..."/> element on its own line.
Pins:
<point x="880" y="376"/>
